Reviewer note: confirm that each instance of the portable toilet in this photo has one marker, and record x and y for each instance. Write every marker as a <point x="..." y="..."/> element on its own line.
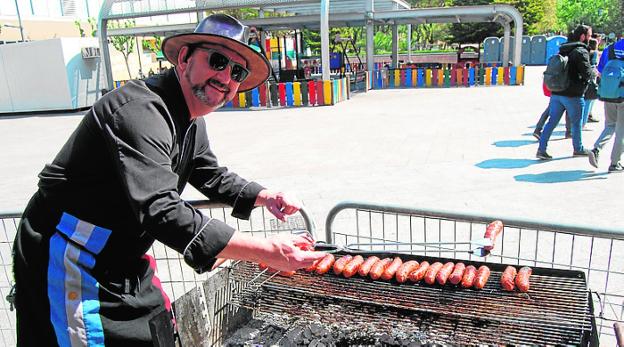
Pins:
<point x="491" y="50"/>
<point x="552" y="45"/>
<point x="538" y="50"/>
<point x="526" y="50"/>
<point x="512" y="45"/>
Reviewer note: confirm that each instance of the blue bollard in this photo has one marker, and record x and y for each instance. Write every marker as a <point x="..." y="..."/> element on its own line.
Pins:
<point x="471" y="76"/>
<point x="289" y="94"/>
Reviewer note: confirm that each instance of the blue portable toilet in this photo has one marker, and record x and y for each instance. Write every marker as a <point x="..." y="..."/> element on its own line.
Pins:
<point x="512" y="46"/>
<point x="552" y="45"/>
<point x="526" y="50"/>
<point x="491" y="50"/>
<point x="538" y="50"/>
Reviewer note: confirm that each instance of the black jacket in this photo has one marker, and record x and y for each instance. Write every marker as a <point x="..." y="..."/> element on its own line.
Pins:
<point x="125" y="167"/>
<point x="580" y="70"/>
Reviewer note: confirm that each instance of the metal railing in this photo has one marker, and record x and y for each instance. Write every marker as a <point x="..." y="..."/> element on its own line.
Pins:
<point x="176" y="277"/>
<point x="523" y="242"/>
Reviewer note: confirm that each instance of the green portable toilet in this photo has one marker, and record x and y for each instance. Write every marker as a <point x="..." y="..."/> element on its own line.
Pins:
<point x="491" y="50"/>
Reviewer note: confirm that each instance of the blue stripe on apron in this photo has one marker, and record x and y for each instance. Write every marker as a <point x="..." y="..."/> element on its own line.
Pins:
<point x="73" y="292"/>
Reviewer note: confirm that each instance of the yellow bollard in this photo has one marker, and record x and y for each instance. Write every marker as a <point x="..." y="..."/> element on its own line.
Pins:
<point x="241" y="100"/>
<point x="500" y="77"/>
<point x="327" y="92"/>
<point x="520" y="75"/>
<point x="428" y="77"/>
<point x="397" y="78"/>
<point x="488" y="76"/>
<point x="297" y="93"/>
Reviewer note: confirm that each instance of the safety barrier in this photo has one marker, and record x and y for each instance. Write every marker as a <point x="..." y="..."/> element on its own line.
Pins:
<point x="294" y="94"/>
<point x="447" y="77"/>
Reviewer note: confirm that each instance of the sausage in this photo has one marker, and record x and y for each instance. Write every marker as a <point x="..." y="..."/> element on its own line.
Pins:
<point x="492" y="231"/>
<point x="469" y="276"/>
<point x="340" y="264"/>
<point x="264" y="266"/>
<point x="312" y="267"/>
<point x="353" y="266"/>
<point x="430" y="276"/>
<point x="522" y="279"/>
<point x="391" y="269"/>
<point x="483" y="274"/>
<point x="457" y="274"/>
<point x="325" y="264"/>
<point x="508" y="277"/>
<point x="368" y="264"/>
<point x="444" y="273"/>
<point x="417" y="274"/>
<point x="405" y="269"/>
<point x="378" y="268"/>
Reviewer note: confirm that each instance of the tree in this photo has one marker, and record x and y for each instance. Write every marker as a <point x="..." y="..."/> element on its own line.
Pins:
<point x="602" y="15"/>
<point x="124" y="44"/>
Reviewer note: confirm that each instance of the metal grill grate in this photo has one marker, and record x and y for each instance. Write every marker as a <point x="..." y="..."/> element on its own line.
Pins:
<point x="556" y="311"/>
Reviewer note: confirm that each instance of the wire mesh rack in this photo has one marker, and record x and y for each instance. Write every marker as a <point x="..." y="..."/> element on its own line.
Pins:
<point x="176" y="277"/>
<point x="523" y="242"/>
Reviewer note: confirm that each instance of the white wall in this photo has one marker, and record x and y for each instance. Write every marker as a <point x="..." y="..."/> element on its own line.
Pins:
<point x="48" y="75"/>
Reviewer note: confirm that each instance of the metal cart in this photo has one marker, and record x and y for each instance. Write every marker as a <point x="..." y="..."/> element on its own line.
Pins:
<point x="176" y="278"/>
<point x="596" y="252"/>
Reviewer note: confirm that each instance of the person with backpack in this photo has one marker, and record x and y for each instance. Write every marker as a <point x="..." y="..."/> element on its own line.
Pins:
<point x="611" y="91"/>
<point x="567" y="75"/>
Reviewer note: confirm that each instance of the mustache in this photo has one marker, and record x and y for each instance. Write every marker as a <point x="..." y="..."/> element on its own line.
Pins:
<point x="218" y="85"/>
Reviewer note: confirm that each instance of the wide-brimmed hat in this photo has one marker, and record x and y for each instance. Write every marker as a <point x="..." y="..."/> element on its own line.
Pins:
<point x="227" y="31"/>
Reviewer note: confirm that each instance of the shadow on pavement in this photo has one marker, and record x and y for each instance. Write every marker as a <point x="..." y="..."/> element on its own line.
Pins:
<point x="514" y="143"/>
<point x="561" y="176"/>
<point x="506" y="163"/>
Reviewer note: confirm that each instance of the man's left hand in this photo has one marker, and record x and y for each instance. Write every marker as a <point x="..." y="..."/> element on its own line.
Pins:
<point x="279" y="204"/>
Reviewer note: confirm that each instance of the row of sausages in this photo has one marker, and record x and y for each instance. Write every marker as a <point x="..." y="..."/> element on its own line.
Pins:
<point x="386" y="269"/>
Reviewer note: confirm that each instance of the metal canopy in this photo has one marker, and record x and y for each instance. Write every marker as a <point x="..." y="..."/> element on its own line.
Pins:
<point x="309" y="14"/>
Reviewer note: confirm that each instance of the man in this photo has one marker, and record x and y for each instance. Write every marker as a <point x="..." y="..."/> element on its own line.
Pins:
<point x="81" y="272"/>
<point x="570" y="99"/>
<point x="614" y="116"/>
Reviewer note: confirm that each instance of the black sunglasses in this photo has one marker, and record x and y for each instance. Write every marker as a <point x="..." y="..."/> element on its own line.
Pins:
<point x="219" y="62"/>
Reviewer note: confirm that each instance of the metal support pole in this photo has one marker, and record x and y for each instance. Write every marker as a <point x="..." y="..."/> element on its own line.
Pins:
<point x="506" y="40"/>
<point x="517" y="61"/>
<point x="139" y="49"/>
<point x="409" y="42"/>
<point x="395" y="46"/>
<point x="325" y="39"/>
<point x="370" y="38"/>
<point x="105" y="53"/>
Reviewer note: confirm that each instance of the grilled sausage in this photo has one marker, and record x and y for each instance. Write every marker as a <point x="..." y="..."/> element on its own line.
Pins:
<point x="508" y="277"/>
<point x="405" y="269"/>
<point x="418" y="274"/>
<point x="312" y="267"/>
<point x="483" y="274"/>
<point x="522" y="279"/>
<point x="457" y="274"/>
<point x="492" y="231"/>
<point x="391" y="269"/>
<point x="264" y="266"/>
<point x="469" y="276"/>
<point x="340" y="264"/>
<point x="444" y="273"/>
<point x="325" y="264"/>
<point x="353" y="266"/>
<point x="430" y="276"/>
<point x="378" y="268"/>
<point x="368" y="264"/>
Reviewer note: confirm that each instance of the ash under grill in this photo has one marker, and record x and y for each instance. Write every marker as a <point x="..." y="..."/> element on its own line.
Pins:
<point x="556" y="310"/>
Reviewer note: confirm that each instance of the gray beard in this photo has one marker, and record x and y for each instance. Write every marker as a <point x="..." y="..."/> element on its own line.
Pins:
<point x="201" y="95"/>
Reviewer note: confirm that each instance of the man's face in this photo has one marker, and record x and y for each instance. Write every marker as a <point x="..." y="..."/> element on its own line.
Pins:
<point x="585" y="39"/>
<point x="211" y="88"/>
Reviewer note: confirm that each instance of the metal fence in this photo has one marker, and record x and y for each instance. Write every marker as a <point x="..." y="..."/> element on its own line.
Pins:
<point x="176" y="277"/>
<point x="523" y="242"/>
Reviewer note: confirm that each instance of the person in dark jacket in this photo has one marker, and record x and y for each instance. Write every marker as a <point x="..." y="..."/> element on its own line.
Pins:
<point x="571" y="100"/>
<point x="82" y="274"/>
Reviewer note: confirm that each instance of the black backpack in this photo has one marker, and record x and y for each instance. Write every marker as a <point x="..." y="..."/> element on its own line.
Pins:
<point x="556" y="75"/>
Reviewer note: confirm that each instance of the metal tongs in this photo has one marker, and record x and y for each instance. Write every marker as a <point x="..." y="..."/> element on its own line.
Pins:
<point x="480" y="247"/>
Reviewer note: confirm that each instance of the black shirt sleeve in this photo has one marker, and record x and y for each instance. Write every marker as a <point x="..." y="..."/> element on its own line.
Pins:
<point x="140" y="138"/>
<point x="219" y="184"/>
<point x="583" y="65"/>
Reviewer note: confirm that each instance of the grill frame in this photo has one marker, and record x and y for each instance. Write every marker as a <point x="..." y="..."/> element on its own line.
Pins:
<point x="279" y="295"/>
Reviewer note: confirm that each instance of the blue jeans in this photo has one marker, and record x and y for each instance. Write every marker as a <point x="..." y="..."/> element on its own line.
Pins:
<point x="587" y="110"/>
<point x="574" y="107"/>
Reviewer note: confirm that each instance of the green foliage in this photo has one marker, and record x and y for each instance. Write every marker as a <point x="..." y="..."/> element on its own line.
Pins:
<point x="602" y="15"/>
<point x="152" y="46"/>
<point x="93" y="24"/>
<point x="77" y="24"/>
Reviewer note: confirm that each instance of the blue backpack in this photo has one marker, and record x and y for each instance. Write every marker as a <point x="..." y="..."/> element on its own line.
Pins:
<point x="611" y="88"/>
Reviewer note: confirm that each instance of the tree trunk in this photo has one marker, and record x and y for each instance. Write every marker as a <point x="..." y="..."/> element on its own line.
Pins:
<point x="127" y="66"/>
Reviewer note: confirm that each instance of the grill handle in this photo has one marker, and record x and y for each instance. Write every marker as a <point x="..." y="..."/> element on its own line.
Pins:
<point x="619" y="333"/>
